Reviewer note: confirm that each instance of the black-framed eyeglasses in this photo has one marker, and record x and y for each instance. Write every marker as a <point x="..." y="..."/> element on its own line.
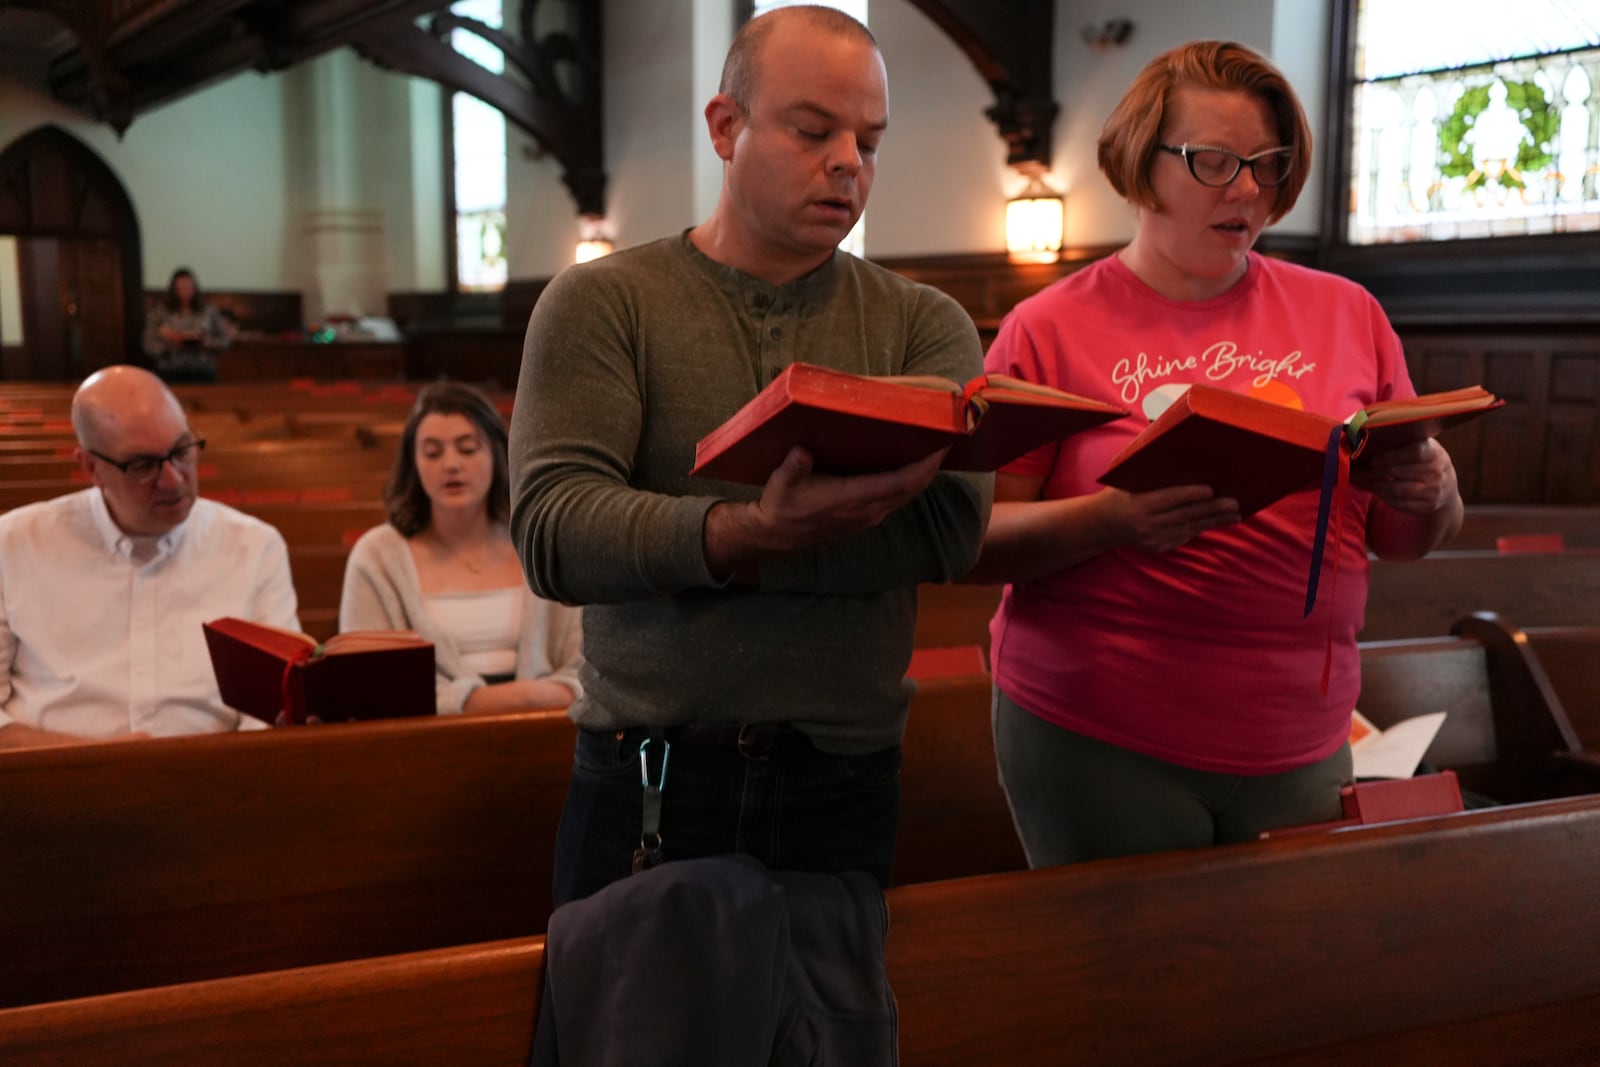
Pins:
<point x="1217" y="167"/>
<point x="148" y="468"/>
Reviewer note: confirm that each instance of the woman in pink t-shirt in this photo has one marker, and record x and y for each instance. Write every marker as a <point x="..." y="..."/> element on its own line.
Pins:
<point x="1156" y="684"/>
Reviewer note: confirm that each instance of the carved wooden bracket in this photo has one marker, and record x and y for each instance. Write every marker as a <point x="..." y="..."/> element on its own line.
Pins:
<point x="1011" y="44"/>
<point x="555" y="95"/>
<point x="106" y="92"/>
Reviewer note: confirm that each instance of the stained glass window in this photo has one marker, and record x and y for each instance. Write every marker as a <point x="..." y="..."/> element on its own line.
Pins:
<point x="855" y="242"/>
<point x="1475" y="118"/>
<point x="479" y="143"/>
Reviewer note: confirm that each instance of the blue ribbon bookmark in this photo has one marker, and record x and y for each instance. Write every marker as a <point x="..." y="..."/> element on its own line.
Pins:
<point x="1330" y="482"/>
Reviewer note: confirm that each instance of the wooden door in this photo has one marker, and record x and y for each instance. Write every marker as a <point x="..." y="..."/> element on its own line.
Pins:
<point x="77" y="256"/>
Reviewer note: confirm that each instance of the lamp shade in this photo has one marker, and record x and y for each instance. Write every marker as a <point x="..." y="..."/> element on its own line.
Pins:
<point x="1035" y="219"/>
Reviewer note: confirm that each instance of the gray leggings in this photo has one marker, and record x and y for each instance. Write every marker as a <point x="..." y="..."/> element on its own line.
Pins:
<point x="1074" y="798"/>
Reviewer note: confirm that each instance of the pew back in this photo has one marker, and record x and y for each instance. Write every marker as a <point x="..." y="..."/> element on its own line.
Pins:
<point x="1423" y="597"/>
<point x="1482" y="525"/>
<point x="168" y="860"/>
<point x="1503" y="720"/>
<point x="459" y="1006"/>
<point x="954" y="820"/>
<point x="1570" y="656"/>
<point x="1462" y="939"/>
<point x="1459" y="940"/>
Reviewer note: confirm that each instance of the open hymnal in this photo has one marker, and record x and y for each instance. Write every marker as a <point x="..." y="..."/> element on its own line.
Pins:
<point x="859" y="424"/>
<point x="279" y="675"/>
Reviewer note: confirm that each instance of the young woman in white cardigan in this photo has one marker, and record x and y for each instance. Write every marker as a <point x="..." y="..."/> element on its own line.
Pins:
<point x="443" y="565"/>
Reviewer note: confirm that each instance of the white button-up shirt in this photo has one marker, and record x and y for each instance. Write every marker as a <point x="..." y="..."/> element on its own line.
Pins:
<point x="96" y="644"/>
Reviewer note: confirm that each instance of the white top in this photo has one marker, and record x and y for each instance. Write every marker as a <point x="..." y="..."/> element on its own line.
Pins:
<point x="382" y="592"/>
<point x="96" y="644"/>
<point x="487" y="626"/>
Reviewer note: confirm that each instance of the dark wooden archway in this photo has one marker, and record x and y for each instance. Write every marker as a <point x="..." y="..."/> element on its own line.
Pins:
<point x="78" y="256"/>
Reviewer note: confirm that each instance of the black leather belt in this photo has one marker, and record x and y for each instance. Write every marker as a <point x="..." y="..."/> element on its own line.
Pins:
<point x="771" y="741"/>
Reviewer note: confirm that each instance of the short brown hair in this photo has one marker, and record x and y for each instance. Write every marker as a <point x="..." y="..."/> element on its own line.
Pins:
<point x="410" y="510"/>
<point x="1128" y="141"/>
<point x="741" y="69"/>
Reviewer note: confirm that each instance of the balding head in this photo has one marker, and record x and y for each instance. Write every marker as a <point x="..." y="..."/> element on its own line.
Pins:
<point x="741" y="70"/>
<point x="114" y="400"/>
<point x="122" y="415"/>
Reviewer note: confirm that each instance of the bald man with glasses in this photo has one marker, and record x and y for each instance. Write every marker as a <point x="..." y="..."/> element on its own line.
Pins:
<point x="102" y="592"/>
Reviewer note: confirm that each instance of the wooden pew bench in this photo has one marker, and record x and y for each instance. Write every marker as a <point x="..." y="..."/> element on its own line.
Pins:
<point x="1466" y="939"/>
<point x="168" y="860"/>
<point x="1503" y="724"/>
<point x="317" y="524"/>
<point x="954" y="820"/>
<point x="1463" y="939"/>
<point x="956" y="614"/>
<point x="1578" y="525"/>
<point x="1423" y="597"/>
<point x="318" y="573"/>
<point x="1570" y="657"/>
<point x="152" y="862"/>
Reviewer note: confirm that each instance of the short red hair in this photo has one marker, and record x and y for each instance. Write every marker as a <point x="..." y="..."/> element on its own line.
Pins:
<point x="1128" y="141"/>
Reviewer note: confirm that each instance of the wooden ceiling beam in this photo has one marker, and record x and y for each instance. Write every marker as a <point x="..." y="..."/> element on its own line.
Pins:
<point x="1012" y="46"/>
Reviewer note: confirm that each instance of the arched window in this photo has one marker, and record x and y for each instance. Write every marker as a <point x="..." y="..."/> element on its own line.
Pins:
<point x="1472" y="119"/>
<point x="478" y="163"/>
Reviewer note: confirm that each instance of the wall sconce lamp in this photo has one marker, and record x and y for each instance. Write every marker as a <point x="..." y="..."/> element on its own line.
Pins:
<point x="1035" y="221"/>
<point x="1109" y="34"/>
<point x="592" y="240"/>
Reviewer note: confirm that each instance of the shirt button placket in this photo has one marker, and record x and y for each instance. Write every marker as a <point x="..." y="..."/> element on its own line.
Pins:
<point x="142" y="650"/>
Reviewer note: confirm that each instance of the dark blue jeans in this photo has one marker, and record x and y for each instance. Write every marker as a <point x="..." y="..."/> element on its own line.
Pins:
<point x="806" y="811"/>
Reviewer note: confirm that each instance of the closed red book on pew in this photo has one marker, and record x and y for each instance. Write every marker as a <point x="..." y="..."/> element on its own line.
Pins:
<point x="858" y="424"/>
<point x="1368" y="803"/>
<point x="363" y="674"/>
<point x="1257" y="452"/>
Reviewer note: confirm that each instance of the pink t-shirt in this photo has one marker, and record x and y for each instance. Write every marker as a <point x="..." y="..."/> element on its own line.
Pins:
<point x="1199" y="656"/>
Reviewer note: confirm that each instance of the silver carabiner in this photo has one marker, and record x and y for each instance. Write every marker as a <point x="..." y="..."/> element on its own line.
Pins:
<point x="644" y="765"/>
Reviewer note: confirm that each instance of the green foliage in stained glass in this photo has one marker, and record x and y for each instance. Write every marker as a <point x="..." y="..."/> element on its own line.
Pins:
<point x="1536" y="115"/>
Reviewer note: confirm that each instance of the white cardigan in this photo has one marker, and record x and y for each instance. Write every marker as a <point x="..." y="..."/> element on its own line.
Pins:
<point x="382" y="592"/>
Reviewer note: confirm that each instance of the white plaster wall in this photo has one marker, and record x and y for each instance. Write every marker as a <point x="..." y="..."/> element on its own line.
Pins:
<point x="206" y="176"/>
<point x="942" y="177"/>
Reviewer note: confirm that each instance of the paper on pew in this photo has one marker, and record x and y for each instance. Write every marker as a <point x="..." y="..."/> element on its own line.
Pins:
<point x="1391" y="753"/>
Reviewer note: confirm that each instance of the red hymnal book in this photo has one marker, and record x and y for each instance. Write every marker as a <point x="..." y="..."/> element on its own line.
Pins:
<point x="1256" y="451"/>
<point x="858" y="424"/>
<point x="1369" y="803"/>
<point x="364" y="674"/>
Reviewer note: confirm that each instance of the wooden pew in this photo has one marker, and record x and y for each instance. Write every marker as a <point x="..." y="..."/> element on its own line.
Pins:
<point x="152" y="862"/>
<point x="1504" y="723"/>
<point x="227" y="461"/>
<point x="1483" y="524"/>
<point x="318" y="573"/>
<point x="458" y="1006"/>
<point x="956" y="614"/>
<point x="218" y="855"/>
<point x="325" y="524"/>
<point x="1424" y="597"/>
<point x="1570" y="657"/>
<point x="1466" y="939"/>
<point x="954" y="820"/>
<point x="1463" y="939"/>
